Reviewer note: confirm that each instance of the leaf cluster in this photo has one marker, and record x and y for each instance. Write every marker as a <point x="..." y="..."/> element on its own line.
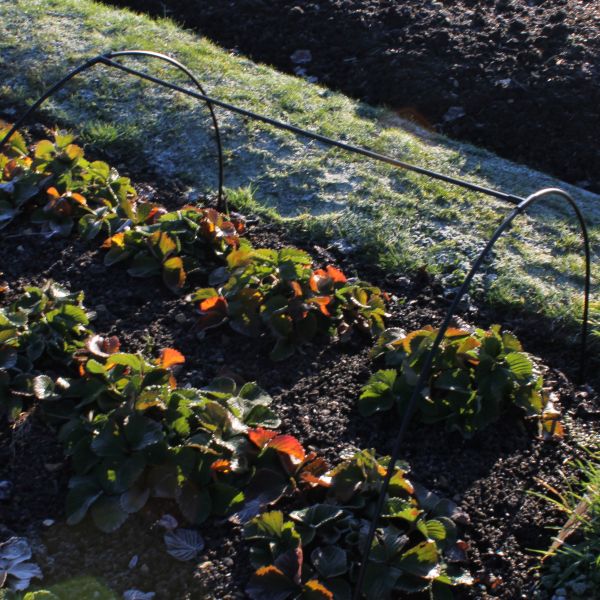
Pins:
<point x="279" y="291"/>
<point x="475" y="377"/>
<point x="189" y="240"/>
<point x="132" y="434"/>
<point x="315" y="552"/>
<point x="41" y="329"/>
<point x="60" y="187"/>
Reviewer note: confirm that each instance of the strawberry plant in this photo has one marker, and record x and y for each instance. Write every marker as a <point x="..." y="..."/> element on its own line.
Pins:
<point x="44" y="327"/>
<point x="278" y="291"/>
<point x="188" y="240"/>
<point x="315" y="551"/>
<point x="132" y="434"/>
<point x="475" y="377"/>
<point x="63" y="188"/>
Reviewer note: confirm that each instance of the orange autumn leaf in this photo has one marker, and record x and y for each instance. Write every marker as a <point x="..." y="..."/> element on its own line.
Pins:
<point x="315" y="481"/>
<point x="336" y="275"/>
<point x="322" y="302"/>
<point x="117" y="239"/>
<point x="53" y="193"/>
<point x="455" y="332"/>
<point x="260" y="436"/>
<point x="170" y="357"/>
<point x="78" y="198"/>
<point x="221" y="465"/>
<point x="296" y="288"/>
<point x="263" y="571"/>
<point x="217" y="303"/>
<point x="318" y="589"/>
<point x="288" y="444"/>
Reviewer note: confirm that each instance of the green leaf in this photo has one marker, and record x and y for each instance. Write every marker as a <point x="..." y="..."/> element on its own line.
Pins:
<point x="283" y="349"/>
<point x="519" y="364"/>
<point x="135" y="498"/>
<point x="127" y="360"/>
<point x="378" y="394"/>
<point x="144" y="265"/>
<point x="195" y="503"/>
<point x="421" y="560"/>
<point x="107" y="514"/>
<point x="330" y="561"/>
<point x="79" y="499"/>
<point x="380" y="580"/>
<point x="174" y="275"/>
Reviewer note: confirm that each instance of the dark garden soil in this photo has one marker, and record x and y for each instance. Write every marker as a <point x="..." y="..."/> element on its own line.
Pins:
<point x="315" y="394"/>
<point x="519" y="77"/>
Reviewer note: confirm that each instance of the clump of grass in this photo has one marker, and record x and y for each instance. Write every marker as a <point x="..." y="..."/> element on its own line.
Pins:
<point x="571" y="567"/>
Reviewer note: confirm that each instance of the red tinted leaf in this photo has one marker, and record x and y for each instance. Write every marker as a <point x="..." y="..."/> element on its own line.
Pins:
<point x="111" y="344"/>
<point x="221" y="465"/>
<point x="322" y="302"/>
<point x="216" y="303"/>
<point x="288" y="444"/>
<point x="316" y="590"/>
<point x="260" y="436"/>
<point x="336" y="275"/>
<point x="317" y="279"/>
<point x="170" y="357"/>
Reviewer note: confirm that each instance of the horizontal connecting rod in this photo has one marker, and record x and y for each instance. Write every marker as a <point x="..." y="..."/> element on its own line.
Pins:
<point x="107" y="60"/>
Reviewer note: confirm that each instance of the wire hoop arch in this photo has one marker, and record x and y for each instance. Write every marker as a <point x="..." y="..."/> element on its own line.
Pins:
<point x="102" y="59"/>
<point x="426" y="369"/>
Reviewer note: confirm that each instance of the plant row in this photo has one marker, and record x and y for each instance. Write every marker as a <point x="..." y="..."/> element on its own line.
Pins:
<point x="133" y="434"/>
<point x="255" y="290"/>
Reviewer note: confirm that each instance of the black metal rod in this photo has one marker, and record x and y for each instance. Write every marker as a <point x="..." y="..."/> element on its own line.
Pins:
<point x="222" y="200"/>
<point x="426" y="369"/>
<point x="47" y="94"/>
<point x="317" y="136"/>
<point x="106" y="59"/>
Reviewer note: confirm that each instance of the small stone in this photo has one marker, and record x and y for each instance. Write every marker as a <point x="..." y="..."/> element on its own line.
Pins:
<point x="144" y="569"/>
<point x="133" y="562"/>
<point x="48" y="522"/>
<point x="454" y="113"/>
<point x="228" y="562"/>
<point x="504" y="83"/>
<point x="301" y="57"/>
<point x="53" y="467"/>
<point x="6" y="489"/>
<point x="180" y="318"/>
<point x="20" y="249"/>
<point x="206" y="565"/>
